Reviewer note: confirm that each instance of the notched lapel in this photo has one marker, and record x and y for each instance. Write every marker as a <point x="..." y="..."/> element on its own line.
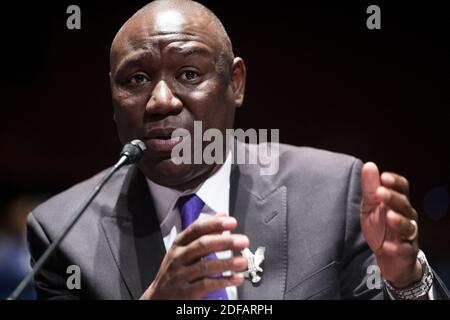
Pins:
<point x="260" y="209"/>
<point x="134" y="236"/>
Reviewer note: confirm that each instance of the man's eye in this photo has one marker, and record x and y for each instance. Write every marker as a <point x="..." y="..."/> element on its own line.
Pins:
<point x="189" y="76"/>
<point x="138" y="79"/>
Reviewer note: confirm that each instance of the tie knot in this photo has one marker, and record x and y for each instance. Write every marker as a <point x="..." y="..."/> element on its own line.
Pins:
<point x="190" y="207"/>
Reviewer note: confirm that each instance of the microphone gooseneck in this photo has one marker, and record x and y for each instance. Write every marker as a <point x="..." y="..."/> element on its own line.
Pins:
<point x="131" y="153"/>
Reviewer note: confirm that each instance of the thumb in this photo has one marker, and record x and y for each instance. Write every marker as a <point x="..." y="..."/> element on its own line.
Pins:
<point x="370" y="181"/>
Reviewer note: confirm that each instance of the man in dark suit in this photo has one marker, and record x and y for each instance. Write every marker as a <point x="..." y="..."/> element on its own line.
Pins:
<point x="172" y="63"/>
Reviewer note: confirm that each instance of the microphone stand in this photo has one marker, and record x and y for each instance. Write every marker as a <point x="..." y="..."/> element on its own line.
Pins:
<point x="126" y="157"/>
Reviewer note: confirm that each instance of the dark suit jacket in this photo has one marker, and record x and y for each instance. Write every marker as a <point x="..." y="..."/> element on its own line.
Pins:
<point x="307" y="217"/>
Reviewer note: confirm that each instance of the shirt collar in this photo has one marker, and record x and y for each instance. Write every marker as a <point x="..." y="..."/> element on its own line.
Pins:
<point x="214" y="192"/>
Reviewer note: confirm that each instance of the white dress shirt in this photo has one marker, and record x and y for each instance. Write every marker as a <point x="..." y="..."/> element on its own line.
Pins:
<point x="214" y="192"/>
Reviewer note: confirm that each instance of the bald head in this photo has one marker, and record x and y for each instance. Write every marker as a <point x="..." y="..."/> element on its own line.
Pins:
<point x="173" y="17"/>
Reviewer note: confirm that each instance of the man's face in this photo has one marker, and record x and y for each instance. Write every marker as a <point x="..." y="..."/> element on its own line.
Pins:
<point x="166" y="73"/>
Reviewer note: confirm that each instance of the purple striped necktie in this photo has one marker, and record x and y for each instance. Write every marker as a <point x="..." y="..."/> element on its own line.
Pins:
<point x="190" y="207"/>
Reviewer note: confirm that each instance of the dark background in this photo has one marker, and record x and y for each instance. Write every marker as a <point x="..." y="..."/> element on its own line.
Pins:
<point x="314" y="71"/>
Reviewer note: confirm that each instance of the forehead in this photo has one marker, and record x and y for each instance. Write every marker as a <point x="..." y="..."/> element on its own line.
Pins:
<point x="170" y="30"/>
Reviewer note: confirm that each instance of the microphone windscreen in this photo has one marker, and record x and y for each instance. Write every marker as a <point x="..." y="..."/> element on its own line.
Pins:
<point x="134" y="151"/>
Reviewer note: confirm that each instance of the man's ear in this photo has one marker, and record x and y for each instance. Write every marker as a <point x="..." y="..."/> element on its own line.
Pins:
<point x="238" y="77"/>
<point x="114" y="114"/>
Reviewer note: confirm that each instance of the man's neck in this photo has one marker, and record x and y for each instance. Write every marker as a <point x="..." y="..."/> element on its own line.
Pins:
<point x="193" y="184"/>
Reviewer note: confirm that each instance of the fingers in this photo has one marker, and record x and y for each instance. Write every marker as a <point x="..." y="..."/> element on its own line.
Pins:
<point x="216" y="224"/>
<point x="370" y="181"/>
<point x="185" y="275"/>
<point x="400" y="225"/>
<point x="213" y="243"/>
<point x="391" y="189"/>
<point x="207" y="285"/>
<point x="205" y="268"/>
<point x="396" y="201"/>
<point x="396" y="182"/>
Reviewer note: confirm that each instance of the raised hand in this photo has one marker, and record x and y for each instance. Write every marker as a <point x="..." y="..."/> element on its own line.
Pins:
<point x="389" y="225"/>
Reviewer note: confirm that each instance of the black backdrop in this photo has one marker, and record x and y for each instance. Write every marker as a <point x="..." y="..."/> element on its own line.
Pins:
<point x="314" y="71"/>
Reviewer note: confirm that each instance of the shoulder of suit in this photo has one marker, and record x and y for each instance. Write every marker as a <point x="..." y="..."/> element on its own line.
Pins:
<point x="310" y="164"/>
<point x="315" y="159"/>
<point x="301" y="156"/>
<point x="60" y="206"/>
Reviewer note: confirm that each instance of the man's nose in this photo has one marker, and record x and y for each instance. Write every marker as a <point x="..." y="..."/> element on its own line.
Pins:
<point x="163" y="101"/>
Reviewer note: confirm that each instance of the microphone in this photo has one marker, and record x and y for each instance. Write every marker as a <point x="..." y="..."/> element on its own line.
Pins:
<point x="131" y="153"/>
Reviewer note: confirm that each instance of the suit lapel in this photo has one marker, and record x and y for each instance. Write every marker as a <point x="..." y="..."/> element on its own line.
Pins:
<point x="134" y="236"/>
<point x="135" y="240"/>
<point x="260" y="208"/>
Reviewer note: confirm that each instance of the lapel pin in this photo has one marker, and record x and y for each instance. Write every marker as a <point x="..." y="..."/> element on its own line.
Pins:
<point x="254" y="263"/>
